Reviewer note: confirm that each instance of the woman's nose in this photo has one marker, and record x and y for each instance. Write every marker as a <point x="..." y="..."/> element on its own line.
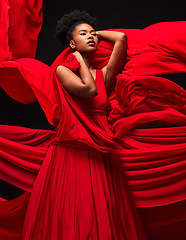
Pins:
<point x="90" y="35"/>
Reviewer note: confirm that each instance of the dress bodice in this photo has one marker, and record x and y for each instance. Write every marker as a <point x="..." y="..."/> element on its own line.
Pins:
<point x="98" y="104"/>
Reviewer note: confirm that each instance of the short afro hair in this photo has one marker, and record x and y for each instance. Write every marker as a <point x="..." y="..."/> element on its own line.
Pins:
<point x="66" y="25"/>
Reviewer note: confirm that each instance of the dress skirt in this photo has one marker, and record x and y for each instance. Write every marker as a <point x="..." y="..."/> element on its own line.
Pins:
<point x="80" y="194"/>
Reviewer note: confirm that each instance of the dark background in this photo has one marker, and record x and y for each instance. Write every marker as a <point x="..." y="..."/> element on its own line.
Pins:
<point x="110" y="14"/>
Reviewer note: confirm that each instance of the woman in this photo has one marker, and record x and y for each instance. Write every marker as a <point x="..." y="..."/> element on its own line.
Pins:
<point x="80" y="191"/>
<point x="83" y="40"/>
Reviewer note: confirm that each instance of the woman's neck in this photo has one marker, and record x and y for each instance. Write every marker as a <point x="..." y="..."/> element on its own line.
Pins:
<point x="88" y="60"/>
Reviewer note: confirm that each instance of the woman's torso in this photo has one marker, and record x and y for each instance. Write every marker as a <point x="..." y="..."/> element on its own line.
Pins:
<point x="95" y="108"/>
<point x="98" y="104"/>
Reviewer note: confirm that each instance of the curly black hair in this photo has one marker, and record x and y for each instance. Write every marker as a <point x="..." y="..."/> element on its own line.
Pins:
<point x="66" y="25"/>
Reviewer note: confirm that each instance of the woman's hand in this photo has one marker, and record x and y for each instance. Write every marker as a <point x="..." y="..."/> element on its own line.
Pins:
<point x="111" y="36"/>
<point x="78" y="56"/>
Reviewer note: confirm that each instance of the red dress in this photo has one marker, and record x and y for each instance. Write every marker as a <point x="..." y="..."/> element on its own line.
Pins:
<point x="80" y="192"/>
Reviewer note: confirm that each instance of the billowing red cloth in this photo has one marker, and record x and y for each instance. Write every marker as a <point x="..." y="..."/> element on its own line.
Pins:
<point x="147" y="119"/>
<point x="25" y="150"/>
<point x="5" y="53"/>
<point x="19" y="35"/>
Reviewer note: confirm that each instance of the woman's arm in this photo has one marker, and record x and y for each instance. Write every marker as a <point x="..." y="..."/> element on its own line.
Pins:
<point x="83" y="86"/>
<point x="117" y="57"/>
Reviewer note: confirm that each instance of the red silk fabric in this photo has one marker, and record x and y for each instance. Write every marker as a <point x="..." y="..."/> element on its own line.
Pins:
<point x="147" y="116"/>
<point x="19" y="35"/>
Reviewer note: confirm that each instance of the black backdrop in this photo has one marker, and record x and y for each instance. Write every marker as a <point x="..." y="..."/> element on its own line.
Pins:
<point x="110" y="14"/>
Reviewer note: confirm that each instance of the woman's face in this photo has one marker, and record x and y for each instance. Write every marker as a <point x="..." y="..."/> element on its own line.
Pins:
<point x="84" y="39"/>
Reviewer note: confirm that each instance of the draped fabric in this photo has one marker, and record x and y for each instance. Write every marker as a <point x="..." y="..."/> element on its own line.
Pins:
<point x="20" y="25"/>
<point x="146" y="114"/>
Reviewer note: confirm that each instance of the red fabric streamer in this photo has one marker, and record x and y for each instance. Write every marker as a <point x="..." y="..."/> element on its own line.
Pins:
<point x="28" y="25"/>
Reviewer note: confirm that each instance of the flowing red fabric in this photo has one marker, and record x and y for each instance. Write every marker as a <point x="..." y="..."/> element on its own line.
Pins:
<point x="19" y="35"/>
<point x="146" y="116"/>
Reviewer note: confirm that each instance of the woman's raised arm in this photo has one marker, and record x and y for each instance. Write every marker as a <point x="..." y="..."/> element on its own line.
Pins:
<point x="117" y="57"/>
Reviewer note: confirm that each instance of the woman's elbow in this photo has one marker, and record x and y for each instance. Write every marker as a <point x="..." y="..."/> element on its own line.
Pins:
<point x="93" y="93"/>
<point x="87" y="92"/>
<point x="122" y="37"/>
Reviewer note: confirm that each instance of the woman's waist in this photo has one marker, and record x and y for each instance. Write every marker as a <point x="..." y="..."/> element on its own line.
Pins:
<point x="101" y="112"/>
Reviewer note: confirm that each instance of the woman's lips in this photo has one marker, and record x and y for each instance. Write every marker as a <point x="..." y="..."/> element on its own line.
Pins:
<point x="91" y="43"/>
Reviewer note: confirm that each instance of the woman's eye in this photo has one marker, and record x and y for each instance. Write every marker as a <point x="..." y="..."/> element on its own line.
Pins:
<point x="82" y="33"/>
